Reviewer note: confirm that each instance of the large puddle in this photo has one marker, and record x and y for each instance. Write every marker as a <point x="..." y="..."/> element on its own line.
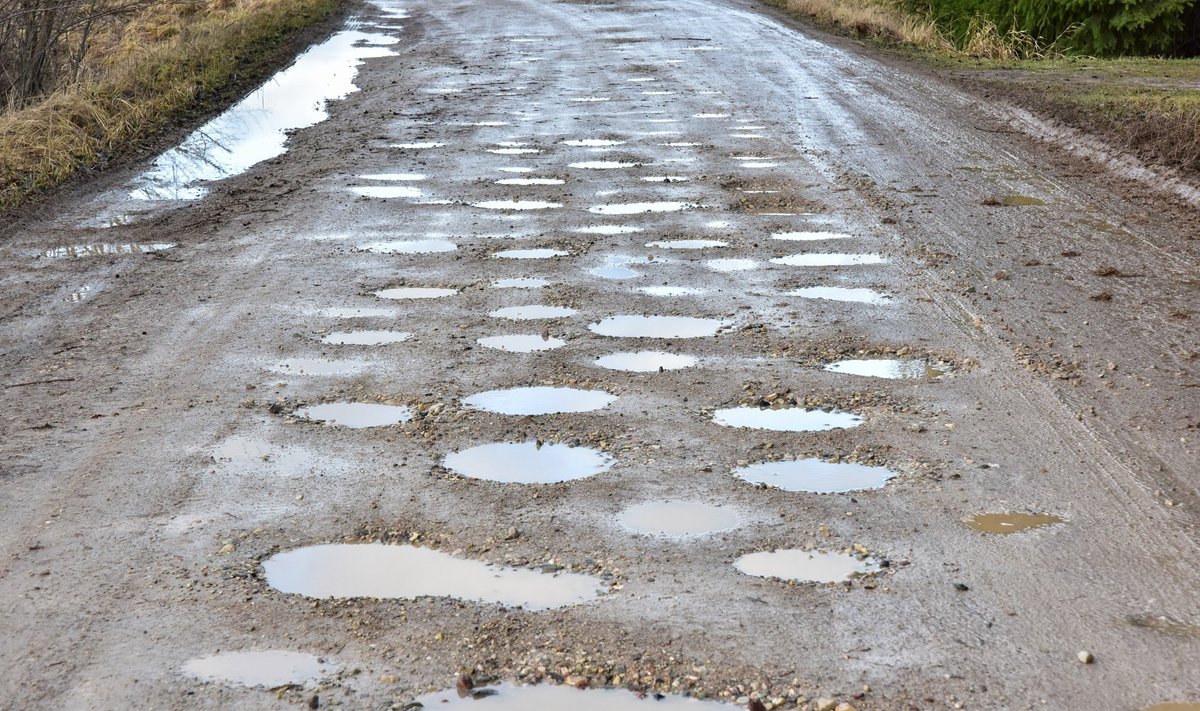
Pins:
<point x="530" y="254"/>
<point x="688" y="244"/>
<point x="539" y="401"/>
<point x="377" y="570"/>
<point x="787" y="419"/>
<point x="415" y="292"/>
<point x="889" y="368"/>
<point x="528" y="462"/>
<point x="507" y="697"/>
<point x="533" y="312"/>
<point x="257" y="128"/>
<point x="630" y="326"/>
<point x="804" y="566"/>
<point x="356" y="415"/>
<point x="416" y="246"/>
<point x="609" y="230"/>
<point x="816" y="476"/>
<point x="680" y="519"/>
<point x="365" y="338"/>
<point x="731" y="265"/>
<point x="839" y="293"/>
<point x="1010" y="522"/>
<point x="828" y="259"/>
<point x="646" y="361"/>
<point x="637" y="208"/>
<point x="517" y="205"/>
<point x="522" y="343"/>
<point x="105" y="248"/>
<point x="268" y="668"/>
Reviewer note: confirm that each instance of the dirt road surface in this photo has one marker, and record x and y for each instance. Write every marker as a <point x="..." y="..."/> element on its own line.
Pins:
<point x="161" y="490"/>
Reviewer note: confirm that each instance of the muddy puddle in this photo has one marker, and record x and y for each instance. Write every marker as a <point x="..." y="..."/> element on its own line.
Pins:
<point x="593" y="143"/>
<point x="731" y="265"/>
<point x="891" y="369"/>
<point x="609" y="230"/>
<point x="514" y="151"/>
<point x="101" y="249"/>
<point x="528" y="462"/>
<point x="377" y="570"/>
<point x="638" y="208"/>
<point x="666" y="291"/>
<point x="365" y="338"/>
<point x="1022" y="201"/>
<point x="356" y="415"/>
<point x="539" y="401"/>
<point x="532" y="312"/>
<point x="646" y="361"/>
<point x="804" y="566"/>
<point x="678" y="519"/>
<point x="319" y="366"/>
<point x="808" y="236"/>
<point x="415" y="292"/>
<point x="616" y="266"/>
<point x="530" y="254"/>
<point x="1010" y="522"/>
<point x="632" y="326"/>
<point x="787" y="419"/>
<point x="520" y="283"/>
<point x="839" y="293"/>
<point x="530" y="181"/>
<point x="545" y="697"/>
<point x="256" y="128"/>
<point x="828" y="259"/>
<point x="517" y="205"/>
<point x="665" y="179"/>
<point x="522" y="343"/>
<point x="267" y="668"/>
<point x="688" y="244"/>
<point x="816" y="476"/>
<point x="418" y="146"/>
<point x="415" y="246"/>
<point x="386" y="191"/>
<point x="602" y="165"/>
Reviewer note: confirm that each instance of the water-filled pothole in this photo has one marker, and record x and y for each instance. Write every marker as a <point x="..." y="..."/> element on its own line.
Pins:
<point x="808" y="236"/>
<point x="356" y="415"/>
<point x="678" y="519"/>
<point x="816" y="476"/>
<point x="522" y="343"/>
<point x="517" y="205"/>
<point x="593" y="143"/>
<point x="415" y="292"/>
<point x="365" y="338"/>
<point x="386" y="191"/>
<point x="787" y="419"/>
<point x="539" y="400"/>
<point x="507" y="697"/>
<point x="268" y="668"/>
<point x="609" y="230"/>
<point x="637" y="208"/>
<point x="890" y="368"/>
<point x="520" y="283"/>
<point x="665" y="178"/>
<point x="377" y="570"/>
<point x="731" y="265"/>
<point x="839" y="293"/>
<point x="420" y="145"/>
<point x="804" y="565"/>
<point x="528" y="462"/>
<point x="631" y="326"/>
<point x="602" y="165"/>
<point x="646" y="361"/>
<point x="533" y="312"/>
<point x="530" y="254"/>
<point x="530" y="181"/>
<point x="1010" y="522"/>
<point x="810" y="259"/>
<point x="105" y="248"/>
<point x="687" y="244"/>
<point x="416" y="246"/>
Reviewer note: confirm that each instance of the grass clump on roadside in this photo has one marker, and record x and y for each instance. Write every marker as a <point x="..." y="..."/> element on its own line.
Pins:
<point x="138" y="77"/>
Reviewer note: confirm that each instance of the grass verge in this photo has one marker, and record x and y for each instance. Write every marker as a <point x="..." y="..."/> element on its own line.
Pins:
<point x="162" y="68"/>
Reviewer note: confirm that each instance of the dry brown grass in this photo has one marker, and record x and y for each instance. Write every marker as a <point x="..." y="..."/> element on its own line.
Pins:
<point x="876" y="19"/>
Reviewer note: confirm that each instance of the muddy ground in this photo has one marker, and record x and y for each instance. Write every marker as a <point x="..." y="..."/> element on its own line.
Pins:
<point x="153" y="459"/>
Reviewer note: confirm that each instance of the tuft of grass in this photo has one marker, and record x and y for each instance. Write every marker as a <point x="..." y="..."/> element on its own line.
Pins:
<point x="871" y="19"/>
<point x="152" y="72"/>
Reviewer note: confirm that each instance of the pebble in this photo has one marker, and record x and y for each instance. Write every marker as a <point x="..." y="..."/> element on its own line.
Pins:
<point x="826" y="704"/>
<point x="1085" y="657"/>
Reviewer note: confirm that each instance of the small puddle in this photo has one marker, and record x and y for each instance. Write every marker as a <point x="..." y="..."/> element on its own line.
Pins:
<point x="530" y="181"/>
<point x="804" y="566"/>
<point x="688" y="244"/>
<point x="666" y="179"/>
<point x="546" y="697"/>
<point x="528" y="462"/>
<point x="356" y="415"/>
<point x="539" y="401"/>
<point x="658" y="92"/>
<point x="365" y="338"/>
<point x="828" y="260"/>
<point x="808" y="236"/>
<point x="105" y="248"/>
<point x="515" y="169"/>
<point x="417" y="246"/>
<point x="319" y="366"/>
<point x="591" y="99"/>
<point x="614" y="271"/>
<point x="530" y="254"/>
<point x="268" y="669"/>
<point x="787" y="419"/>
<point x="520" y="283"/>
<point x="637" y="208"/>
<point x="522" y="343"/>
<point x="533" y="312"/>
<point x="671" y="290"/>
<point x="514" y="151"/>
<point x="386" y="191"/>
<point x="517" y="205"/>
<point x="888" y="368"/>
<point x="763" y="165"/>
<point x="602" y="165"/>
<point x="377" y="570"/>
<point x="709" y="116"/>
<point x="1010" y="522"/>
<point x="731" y="265"/>
<point x="630" y="326"/>
<point x="646" y="361"/>
<point x="681" y="145"/>
<point x="678" y="519"/>
<point x="415" y="292"/>
<point x="417" y="146"/>
<point x="593" y="143"/>
<point x="837" y="293"/>
<point x="1022" y="201"/>
<point x="609" y="230"/>
<point x="816" y="476"/>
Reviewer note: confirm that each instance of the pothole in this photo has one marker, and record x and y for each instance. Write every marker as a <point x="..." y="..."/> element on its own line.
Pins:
<point x="687" y="244"/>
<point x="420" y="145"/>
<point x="530" y="254"/>
<point x="609" y="230"/>
<point x="415" y="292"/>
<point x="631" y="326"/>
<point x="646" y="361"/>
<point x="671" y="290"/>
<point x="539" y="401"/>
<point x="678" y="519"/>
<point x="517" y="205"/>
<point x="365" y="338"/>
<point x="731" y="265"/>
<point x="417" y="246"/>
<point x="507" y="697"/>
<point x="829" y="259"/>
<point x="637" y="208"/>
<point x="786" y="419"/>
<point x="1010" y="522"/>
<point x="816" y="476"/>
<point x="665" y="178"/>
<point x="268" y="668"/>
<point x="522" y="343"/>
<point x="319" y="366"/>
<point x="386" y="191"/>
<point x="891" y="369"/>
<point x="838" y="293"/>
<point x="104" y="249"/>
<point x="528" y="462"/>
<point x="377" y="570"/>
<point x="533" y="312"/>
<point x="520" y="283"/>
<point x="804" y="565"/>
<point x="356" y="415"/>
<point x="808" y="236"/>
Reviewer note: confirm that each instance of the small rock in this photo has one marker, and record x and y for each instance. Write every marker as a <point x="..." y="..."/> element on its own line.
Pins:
<point x="845" y="707"/>
<point x="512" y="533"/>
<point x="1085" y="657"/>
<point x="826" y="704"/>
<point x="227" y="548"/>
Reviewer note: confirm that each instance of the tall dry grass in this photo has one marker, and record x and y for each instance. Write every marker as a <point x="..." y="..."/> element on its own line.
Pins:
<point x="877" y="19"/>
